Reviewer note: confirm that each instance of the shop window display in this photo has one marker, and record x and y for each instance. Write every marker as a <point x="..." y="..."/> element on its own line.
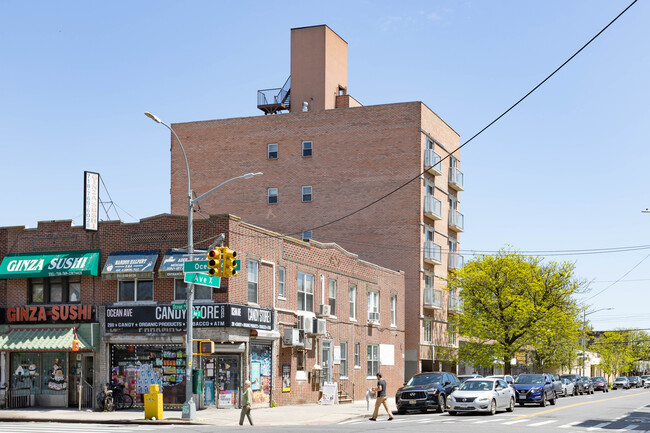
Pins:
<point x="42" y="372"/>
<point x="139" y="366"/>
<point x="261" y="374"/>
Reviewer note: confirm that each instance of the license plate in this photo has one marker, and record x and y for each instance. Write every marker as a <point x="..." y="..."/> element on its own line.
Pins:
<point x="412" y="401"/>
<point x="464" y="406"/>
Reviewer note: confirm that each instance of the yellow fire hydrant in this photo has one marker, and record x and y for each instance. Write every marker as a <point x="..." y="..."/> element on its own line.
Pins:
<point x="153" y="403"/>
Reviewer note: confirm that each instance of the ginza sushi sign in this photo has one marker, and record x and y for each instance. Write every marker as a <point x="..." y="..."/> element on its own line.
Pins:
<point x="165" y="318"/>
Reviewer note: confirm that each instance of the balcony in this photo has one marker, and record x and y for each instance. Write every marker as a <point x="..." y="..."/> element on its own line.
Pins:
<point x="432" y="253"/>
<point x="432" y="162"/>
<point x="432" y="207"/>
<point x="456" y="261"/>
<point x="456" y="179"/>
<point x="454" y="306"/>
<point x="272" y="101"/>
<point x="432" y="298"/>
<point x="456" y="221"/>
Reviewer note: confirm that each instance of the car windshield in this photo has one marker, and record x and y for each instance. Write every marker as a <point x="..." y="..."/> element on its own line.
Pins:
<point x="566" y="376"/>
<point x="621" y="378"/>
<point x="425" y="380"/>
<point x="530" y="378"/>
<point x="477" y="385"/>
<point x="601" y="379"/>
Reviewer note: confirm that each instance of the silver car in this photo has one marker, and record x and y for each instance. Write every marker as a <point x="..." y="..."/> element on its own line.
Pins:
<point x="482" y="395"/>
<point x="568" y="388"/>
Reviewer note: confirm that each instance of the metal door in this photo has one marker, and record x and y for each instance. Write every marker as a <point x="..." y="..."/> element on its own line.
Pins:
<point x="326" y="360"/>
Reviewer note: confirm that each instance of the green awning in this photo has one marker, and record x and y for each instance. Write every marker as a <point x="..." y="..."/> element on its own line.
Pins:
<point x="44" y="337"/>
<point x="60" y="263"/>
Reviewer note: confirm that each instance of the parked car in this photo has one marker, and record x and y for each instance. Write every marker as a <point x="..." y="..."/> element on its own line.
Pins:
<point x="534" y="388"/>
<point x="482" y="395"/>
<point x="509" y="379"/>
<point x="646" y="381"/>
<point x="575" y="378"/>
<point x="635" y="381"/>
<point x="464" y="377"/>
<point x="621" y="382"/>
<point x="426" y="391"/>
<point x="600" y="384"/>
<point x="557" y="384"/>
<point x="568" y="388"/>
<point x="588" y="385"/>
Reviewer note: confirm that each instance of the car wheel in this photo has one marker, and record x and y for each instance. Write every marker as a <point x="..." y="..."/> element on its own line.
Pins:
<point x="511" y="407"/>
<point x="452" y="412"/>
<point x="441" y="404"/>
<point x="575" y="391"/>
<point x="521" y="404"/>
<point x="543" y="402"/>
<point x="553" y="400"/>
<point x="401" y="412"/>
<point x="592" y="391"/>
<point x="564" y="393"/>
<point x="493" y="407"/>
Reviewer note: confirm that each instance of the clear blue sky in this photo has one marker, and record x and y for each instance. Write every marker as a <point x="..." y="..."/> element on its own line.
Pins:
<point x="566" y="170"/>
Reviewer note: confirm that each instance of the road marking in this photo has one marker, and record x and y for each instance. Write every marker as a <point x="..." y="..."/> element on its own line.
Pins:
<point x="488" y="420"/>
<point x="542" y="423"/>
<point x="598" y="426"/>
<point x="630" y="427"/>
<point x="514" y="422"/>
<point x="571" y="424"/>
<point x="580" y="404"/>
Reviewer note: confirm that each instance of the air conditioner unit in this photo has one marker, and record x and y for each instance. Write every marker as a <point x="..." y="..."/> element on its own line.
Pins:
<point x="304" y="323"/>
<point x="291" y="337"/>
<point x="319" y="326"/>
<point x="373" y="316"/>
<point x="308" y="343"/>
<point x="324" y="310"/>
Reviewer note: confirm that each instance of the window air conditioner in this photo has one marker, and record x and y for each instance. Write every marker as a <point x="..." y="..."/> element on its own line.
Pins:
<point x="373" y="316"/>
<point x="324" y="310"/>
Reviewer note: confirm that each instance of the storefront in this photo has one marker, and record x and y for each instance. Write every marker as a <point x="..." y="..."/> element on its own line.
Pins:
<point x="42" y="366"/>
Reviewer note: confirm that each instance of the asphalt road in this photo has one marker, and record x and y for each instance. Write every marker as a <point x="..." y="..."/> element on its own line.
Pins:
<point x="618" y="411"/>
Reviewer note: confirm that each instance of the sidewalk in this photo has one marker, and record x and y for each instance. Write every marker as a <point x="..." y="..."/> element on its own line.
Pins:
<point x="306" y="414"/>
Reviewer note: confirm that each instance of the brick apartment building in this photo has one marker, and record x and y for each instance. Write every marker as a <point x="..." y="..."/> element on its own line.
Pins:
<point x="114" y="291"/>
<point x="330" y="156"/>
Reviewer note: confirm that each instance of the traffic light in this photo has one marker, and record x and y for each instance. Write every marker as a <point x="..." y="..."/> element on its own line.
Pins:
<point x="228" y="256"/>
<point x="214" y="263"/>
<point x="206" y="347"/>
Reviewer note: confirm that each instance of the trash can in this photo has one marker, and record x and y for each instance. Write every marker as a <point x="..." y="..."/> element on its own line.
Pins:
<point x="153" y="403"/>
<point x="197" y="381"/>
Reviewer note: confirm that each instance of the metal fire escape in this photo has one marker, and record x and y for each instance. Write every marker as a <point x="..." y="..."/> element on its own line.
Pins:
<point x="272" y="101"/>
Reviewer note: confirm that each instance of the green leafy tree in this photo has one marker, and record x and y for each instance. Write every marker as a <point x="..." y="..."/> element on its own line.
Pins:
<point x="557" y="345"/>
<point x="618" y="354"/>
<point x="512" y="302"/>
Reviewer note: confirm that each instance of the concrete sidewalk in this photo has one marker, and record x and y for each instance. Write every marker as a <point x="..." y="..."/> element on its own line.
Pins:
<point x="307" y="414"/>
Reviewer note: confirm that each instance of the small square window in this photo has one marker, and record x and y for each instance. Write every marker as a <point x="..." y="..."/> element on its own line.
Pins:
<point x="306" y="148"/>
<point x="273" y="151"/>
<point x="306" y="194"/>
<point x="306" y="235"/>
<point x="272" y="196"/>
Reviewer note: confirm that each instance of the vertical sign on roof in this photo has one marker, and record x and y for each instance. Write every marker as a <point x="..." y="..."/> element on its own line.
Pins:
<point x="91" y="200"/>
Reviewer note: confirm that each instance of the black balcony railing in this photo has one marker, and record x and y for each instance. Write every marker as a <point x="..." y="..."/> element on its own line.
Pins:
<point x="271" y="101"/>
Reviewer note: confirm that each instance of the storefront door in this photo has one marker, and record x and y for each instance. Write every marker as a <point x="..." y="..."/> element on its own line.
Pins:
<point x="228" y="380"/>
<point x="327" y="360"/>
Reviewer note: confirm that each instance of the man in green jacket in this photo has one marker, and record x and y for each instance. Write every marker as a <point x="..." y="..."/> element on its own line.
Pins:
<point x="246" y="401"/>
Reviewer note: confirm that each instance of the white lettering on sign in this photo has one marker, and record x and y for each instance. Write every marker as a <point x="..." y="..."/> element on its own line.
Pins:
<point x="166" y="313"/>
<point x="25" y="265"/>
<point x="256" y="315"/>
<point x="119" y="312"/>
<point x="235" y="311"/>
<point x="67" y="263"/>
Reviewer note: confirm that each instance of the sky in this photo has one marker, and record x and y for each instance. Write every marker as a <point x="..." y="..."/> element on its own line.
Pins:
<point x="563" y="175"/>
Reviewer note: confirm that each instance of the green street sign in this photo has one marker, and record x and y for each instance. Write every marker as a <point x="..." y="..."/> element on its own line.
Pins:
<point x="197" y="313"/>
<point x="179" y="306"/>
<point x="196" y="266"/>
<point x="202" y="279"/>
<point x="237" y="265"/>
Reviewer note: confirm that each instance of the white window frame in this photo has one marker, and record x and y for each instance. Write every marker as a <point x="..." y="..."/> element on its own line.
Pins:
<point x="282" y="278"/>
<point x="343" y="366"/>
<point x="353" y="303"/>
<point x="309" y="194"/>
<point x="307" y="149"/>
<point x="272" y="196"/>
<point x="357" y="355"/>
<point x="373" y="304"/>
<point x="372" y="360"/>
<point x="393" y="310"/>
<point x="270" y="151"/>
<point x="304" y="281"/>
<point x="331" y="298"/>
<point x="427" y="333"/>
<point x="136" y="282"/>
<point x="253" y="281"/>
<point x="204" y="289"/>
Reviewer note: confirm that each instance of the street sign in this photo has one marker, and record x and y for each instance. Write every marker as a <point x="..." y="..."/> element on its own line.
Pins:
<point x="237" y="265"/>
<point x="202" y="279"/>
<point x="196" y="266"/>
<point x="196" y="313"/>
<point x="179" y="306"/>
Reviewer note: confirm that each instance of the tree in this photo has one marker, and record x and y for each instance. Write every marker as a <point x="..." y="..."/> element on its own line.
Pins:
<point x="617" y="355"/>
<point x="512" y="302"/>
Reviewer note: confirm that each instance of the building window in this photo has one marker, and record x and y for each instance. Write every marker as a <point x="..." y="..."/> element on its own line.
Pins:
<point x="272" y="196"/>
<point x="306" y="194"/>
<point x="305" y="292"/>
<point x="373" y="306"/>
<point x="373" y="360"/>
<point x="306" y="235"/>
<point x="281" y="280"/>
<point x="353" y="303"/>
<point x="252" y="281"/>
<point x="393" y="311"/>
<point x="135" y="290"/>
<point x="428" y="331"/>
<point x="357" y="356"/>
<point x="332" y="297"/>
<point x="203" y="293"/>
<point x="273" y="151"/>
<point x="451" y="332"/>
<point x="343" y="367"/>
<point x="301" y="360"/>
<point x="306" y="148"/>
<point x="55" y="290"/>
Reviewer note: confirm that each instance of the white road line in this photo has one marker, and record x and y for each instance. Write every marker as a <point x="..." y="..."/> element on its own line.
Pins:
<point x="50" y="427"/>
<point x="515" y="421"/>
<point x="598" y="426"/>
<point x="542" y="423"/>
<point x="488" y="420"/>
<point x="630" y="427"/>
<point x="348" y="421"/>
<point x="425" y="421"/>
<point x="571" y="424"/>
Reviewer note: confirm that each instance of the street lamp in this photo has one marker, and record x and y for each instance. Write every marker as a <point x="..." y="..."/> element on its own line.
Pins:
<point x="189" y="408"/>
<point x="584" y="332"/>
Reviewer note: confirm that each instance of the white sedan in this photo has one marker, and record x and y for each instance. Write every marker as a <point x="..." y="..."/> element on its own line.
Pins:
<point x="482" y="395"/>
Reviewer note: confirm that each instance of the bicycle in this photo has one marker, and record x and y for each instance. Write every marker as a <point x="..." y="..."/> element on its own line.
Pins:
<point x="114" y="398"/>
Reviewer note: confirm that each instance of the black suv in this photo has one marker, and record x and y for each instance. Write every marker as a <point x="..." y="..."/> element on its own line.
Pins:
<point x="575" y="378"/>
<point x="426" y="391"/>
<point x="588" y="384"/>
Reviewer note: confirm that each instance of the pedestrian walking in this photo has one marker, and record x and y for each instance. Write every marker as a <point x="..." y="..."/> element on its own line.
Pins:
<point x="246" y="400"/>
<point x="380" y="389"/>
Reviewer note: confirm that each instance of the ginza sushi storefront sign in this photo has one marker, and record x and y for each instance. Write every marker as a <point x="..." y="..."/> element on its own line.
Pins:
<point x="63" y="263"/>
<point x="171" y="318"/>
